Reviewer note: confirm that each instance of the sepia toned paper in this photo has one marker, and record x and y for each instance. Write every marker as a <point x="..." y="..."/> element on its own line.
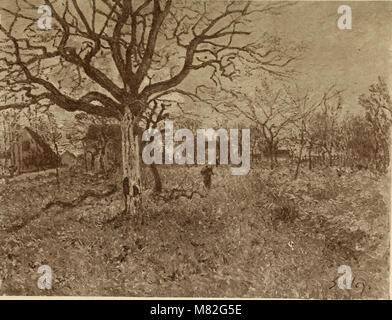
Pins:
<point x="178" y="148"/>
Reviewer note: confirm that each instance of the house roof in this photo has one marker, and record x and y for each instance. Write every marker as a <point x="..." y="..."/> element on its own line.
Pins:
<point x="40" y="141"/>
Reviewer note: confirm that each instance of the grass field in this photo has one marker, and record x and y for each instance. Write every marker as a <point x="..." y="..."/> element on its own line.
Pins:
<point x="259" y="235"/>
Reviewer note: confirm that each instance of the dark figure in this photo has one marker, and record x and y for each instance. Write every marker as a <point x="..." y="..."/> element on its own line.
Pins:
<point x="206" y="172"/>
<point x="12" y="171"/>
<point x="126" y="192"/>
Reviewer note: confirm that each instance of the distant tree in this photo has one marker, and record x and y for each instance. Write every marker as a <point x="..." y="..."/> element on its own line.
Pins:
<point x="92" y="134"/>
<point x="34" y="116"/>
<point x="269" y="113"/>
<point x="357" y="141"/>
<point x="54" y="136"/>
<point x="326" y="122"/>
<point x="304" y="127"/>
<point x="75" y="135"/>
<point x="378" y="111"/>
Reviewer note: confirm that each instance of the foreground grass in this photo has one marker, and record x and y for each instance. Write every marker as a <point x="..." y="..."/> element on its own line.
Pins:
<point x="260" y="235"/>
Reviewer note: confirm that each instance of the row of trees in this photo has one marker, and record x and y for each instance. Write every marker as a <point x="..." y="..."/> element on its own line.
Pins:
<point x="315" y="126"/>
<point x="128" y="59"/>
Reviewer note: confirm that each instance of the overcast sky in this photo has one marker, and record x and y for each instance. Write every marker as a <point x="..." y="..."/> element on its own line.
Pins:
<point x="350" y="58"/>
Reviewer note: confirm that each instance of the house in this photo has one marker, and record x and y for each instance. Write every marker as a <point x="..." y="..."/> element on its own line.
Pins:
<point x="29" y="152"/>
<point x="68" y="159"/>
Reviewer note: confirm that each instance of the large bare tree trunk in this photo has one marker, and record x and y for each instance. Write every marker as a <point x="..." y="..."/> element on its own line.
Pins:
<point x="131" y="165"/>
<point x="157" y="178"/>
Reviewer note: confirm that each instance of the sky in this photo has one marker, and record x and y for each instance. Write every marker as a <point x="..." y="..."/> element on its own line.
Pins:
<point x="353" y="59"/>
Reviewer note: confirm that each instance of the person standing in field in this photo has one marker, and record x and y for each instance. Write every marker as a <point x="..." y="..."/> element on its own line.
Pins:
<point x="207" y="173"/>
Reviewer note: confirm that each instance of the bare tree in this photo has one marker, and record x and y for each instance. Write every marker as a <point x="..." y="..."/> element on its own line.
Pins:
<point x="53" y="137"/>
<point x="306" y="131"/>
<point x="268" y="112"/>
<point x="357" y="143"/>
<point x="328" y="123"/>
<point x="129" y="54"/>
<point x="378" y="108"/>
<point x="301" y="134"/>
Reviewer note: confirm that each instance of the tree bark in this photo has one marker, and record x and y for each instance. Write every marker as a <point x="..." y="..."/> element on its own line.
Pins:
<point x="271" y="154"/>
<point x="131" y="141"/>
<point x="157" y="178"/>
<point x="57" y="161"/>
<point x="300" y="154"/>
